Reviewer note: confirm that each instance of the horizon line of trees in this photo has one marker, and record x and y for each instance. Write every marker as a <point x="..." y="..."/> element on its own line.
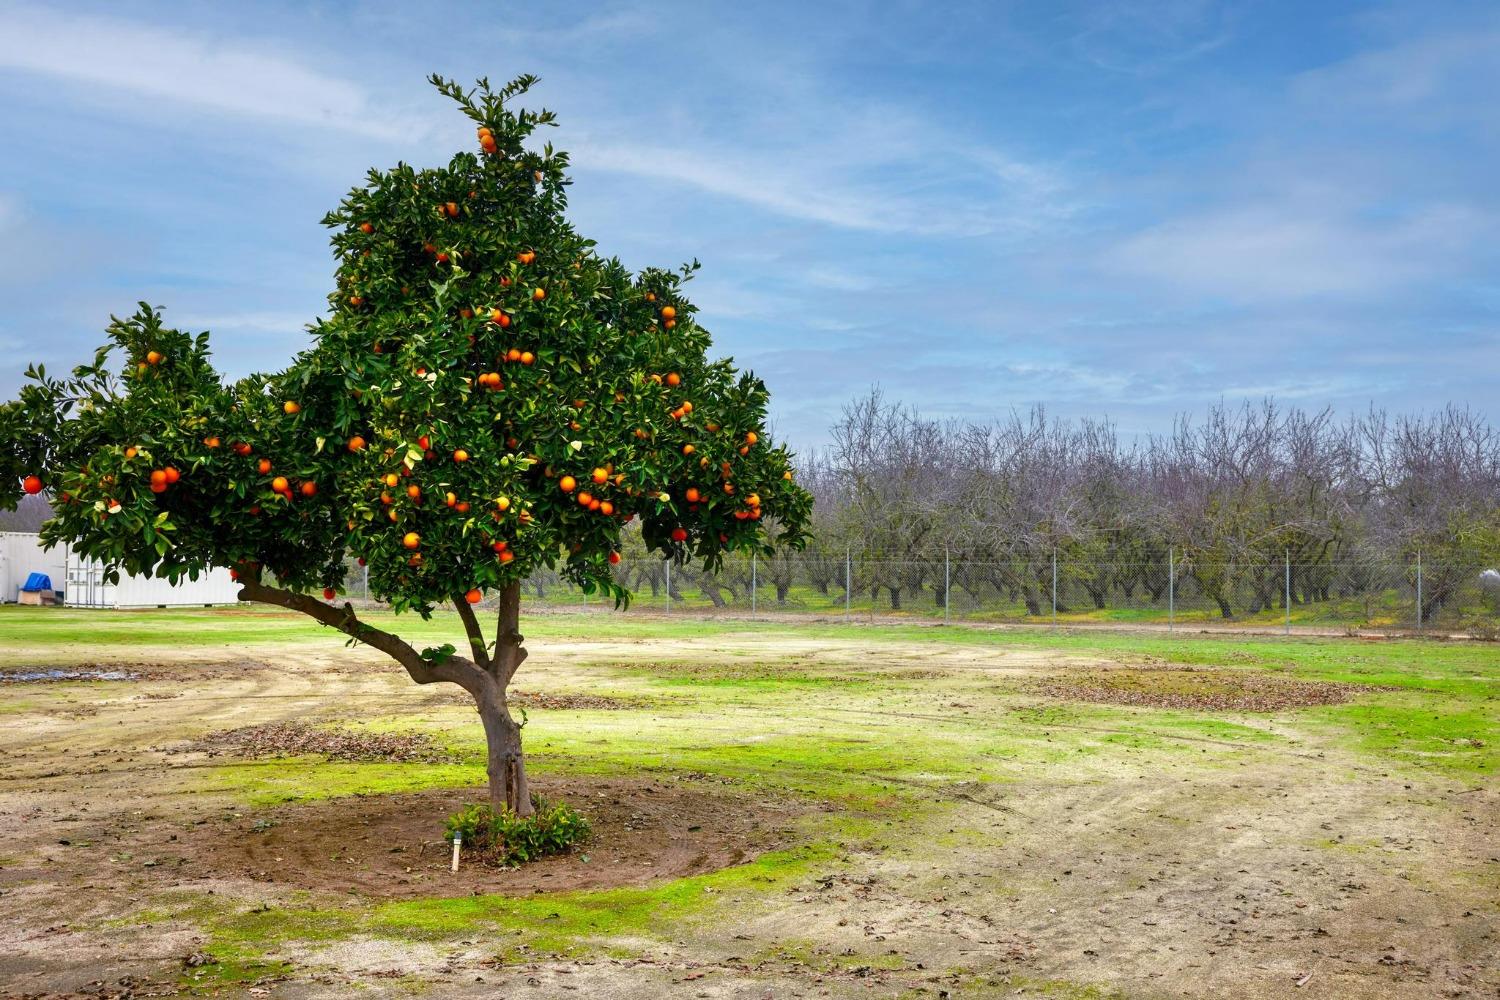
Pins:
<point x="1242" y="489"/>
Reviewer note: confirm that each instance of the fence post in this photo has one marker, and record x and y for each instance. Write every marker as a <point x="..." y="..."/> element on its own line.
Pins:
<point x="669" y="585"/>
<point x="1419" y="590"/>
<point x="947" y="587"/>
<point x="1054" y="588"/>
<point x="1171" y="586"/>
<point x="753" y="567"/>
<point x="1287" y="600"/>
<point x="366" y="568"/>
<point x="848" y="582"/>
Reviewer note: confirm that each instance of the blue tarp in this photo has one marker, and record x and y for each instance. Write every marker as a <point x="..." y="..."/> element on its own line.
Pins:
<point x="37" y="581"/>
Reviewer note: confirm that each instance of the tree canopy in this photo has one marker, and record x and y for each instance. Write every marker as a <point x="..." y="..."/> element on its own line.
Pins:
<point x="487" y="394"/>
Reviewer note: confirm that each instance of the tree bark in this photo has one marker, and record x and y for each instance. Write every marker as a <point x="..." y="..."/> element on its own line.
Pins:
<point x="506" y="764"/>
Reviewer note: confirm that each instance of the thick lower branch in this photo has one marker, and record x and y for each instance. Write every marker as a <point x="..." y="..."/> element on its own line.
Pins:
<point x="456" y="670"/>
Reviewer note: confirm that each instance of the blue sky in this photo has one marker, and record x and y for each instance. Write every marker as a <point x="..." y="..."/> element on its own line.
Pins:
<point x="1121" y="208"/>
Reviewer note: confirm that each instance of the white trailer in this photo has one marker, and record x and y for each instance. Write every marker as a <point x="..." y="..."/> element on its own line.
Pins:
<point x="81" y="581"/>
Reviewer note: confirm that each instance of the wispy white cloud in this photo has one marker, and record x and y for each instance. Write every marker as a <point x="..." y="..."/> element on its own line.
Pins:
<point x="132" y="60"/>
<point x="1278" y="251"/>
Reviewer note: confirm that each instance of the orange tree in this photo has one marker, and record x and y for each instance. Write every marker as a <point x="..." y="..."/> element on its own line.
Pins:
<point x="487" y="395"/>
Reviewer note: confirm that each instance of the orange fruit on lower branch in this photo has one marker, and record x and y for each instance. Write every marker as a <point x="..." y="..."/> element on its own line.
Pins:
<point x="539" y="294"/>
<point x="309" y="488"/>
<point x="601" y="475"/>
<point x="356" y="443"/>
<point x="411" y="540"/>
<point x="280" y="485"/>
<point x="328" y="593"/>
<point x="507" y="556"/>
<point x="614" y="558"/>
<point x="158" y="477"/>
<point x="291" y="407"/>
<point x="567" y="484"/>
<point x="674" y="379"/>
<point x="751" y="437"/>
<point x="172" y="474"/>
<point x="679" y="534"/>
<point x="32" y="485"/>
<point x="459" y="455"/>
<point x="474" y="596"/>
<point x="692" y="494"/>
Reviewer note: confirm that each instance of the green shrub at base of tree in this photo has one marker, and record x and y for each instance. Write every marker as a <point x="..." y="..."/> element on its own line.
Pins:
<point x="502" y="837"/>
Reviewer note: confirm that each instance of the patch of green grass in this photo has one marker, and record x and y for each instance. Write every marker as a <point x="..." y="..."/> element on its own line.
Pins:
<point x="301" y="779"/>
<point x="1447" y="737"/>
<point x="554" y="923"/>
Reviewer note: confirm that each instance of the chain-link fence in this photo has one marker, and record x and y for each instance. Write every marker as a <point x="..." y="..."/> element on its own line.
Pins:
<point x="1171" y="593"/>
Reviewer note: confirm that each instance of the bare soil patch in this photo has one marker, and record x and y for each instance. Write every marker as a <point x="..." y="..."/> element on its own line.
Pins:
<point x="392" y="846"/>
<point x="293" y="739"/>
<point x="1197" y="689"/>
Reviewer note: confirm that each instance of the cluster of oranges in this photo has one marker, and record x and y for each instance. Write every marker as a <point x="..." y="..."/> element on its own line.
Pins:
<point x="487" y="140"/>
<point x="162" y="478"/>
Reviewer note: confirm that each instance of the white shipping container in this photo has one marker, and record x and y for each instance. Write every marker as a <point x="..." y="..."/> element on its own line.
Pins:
<point x="82" y="580"/>
<point x="21" y="554"/>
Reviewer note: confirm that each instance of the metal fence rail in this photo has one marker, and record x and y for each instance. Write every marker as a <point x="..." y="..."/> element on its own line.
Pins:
<point x="1171" y="592"/>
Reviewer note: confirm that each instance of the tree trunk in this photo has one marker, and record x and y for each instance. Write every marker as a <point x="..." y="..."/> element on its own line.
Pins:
<point x="502" y="735"/>
<point x="781" y="591"/>
<point x="507" y="764"/>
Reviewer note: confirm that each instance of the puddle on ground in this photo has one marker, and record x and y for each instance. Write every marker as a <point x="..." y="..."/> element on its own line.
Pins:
<point x="39" y="675"/>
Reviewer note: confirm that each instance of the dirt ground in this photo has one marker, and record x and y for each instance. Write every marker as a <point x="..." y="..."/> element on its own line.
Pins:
<point x="1046" y="851"/>
<point x="388" y="846"/>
